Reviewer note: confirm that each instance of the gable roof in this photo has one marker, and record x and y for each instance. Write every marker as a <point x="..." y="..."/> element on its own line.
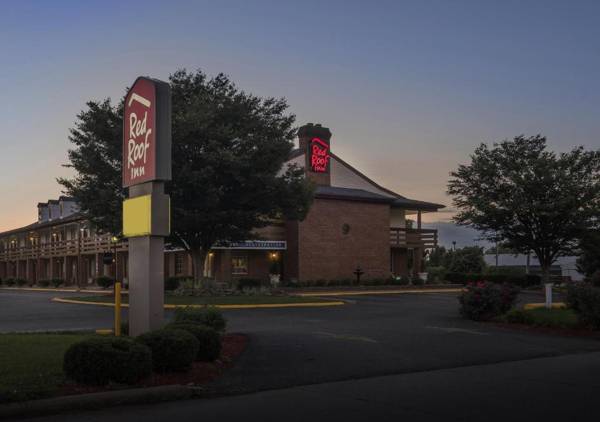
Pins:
<point x="350" y="194"/>
<point x="396" y="200"/>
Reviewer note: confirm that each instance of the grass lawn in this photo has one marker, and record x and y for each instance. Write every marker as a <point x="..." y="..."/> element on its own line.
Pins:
<point x="559" y="318"/>
<point x="542" y="317"/>
<point x="211" y="300"/>
<point x="31" y="364"/>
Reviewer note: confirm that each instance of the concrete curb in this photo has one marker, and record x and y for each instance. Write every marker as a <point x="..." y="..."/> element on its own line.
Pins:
<point x="555" y="305"/>
<point x="43" y="289"/>
<point x="377" y="292"/>
<point x="170" y="306"/>
<point x="97" y="401"/>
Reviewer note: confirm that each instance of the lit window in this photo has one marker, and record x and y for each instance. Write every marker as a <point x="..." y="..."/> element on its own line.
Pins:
<point x="239" y="265"/>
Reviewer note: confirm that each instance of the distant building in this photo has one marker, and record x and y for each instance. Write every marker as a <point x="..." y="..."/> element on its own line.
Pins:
<point x="564" y="266"/>
<point x="353" y="222"/>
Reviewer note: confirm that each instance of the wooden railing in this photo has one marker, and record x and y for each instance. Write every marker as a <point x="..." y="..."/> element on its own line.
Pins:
<point x="413" y="238"/>
<point x="90" y="245"/>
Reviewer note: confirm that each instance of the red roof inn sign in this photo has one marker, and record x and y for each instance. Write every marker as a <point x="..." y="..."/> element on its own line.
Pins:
<point x="146" y="145"/>
<point x="319" y="155"/>
<point x="146" y="213"/>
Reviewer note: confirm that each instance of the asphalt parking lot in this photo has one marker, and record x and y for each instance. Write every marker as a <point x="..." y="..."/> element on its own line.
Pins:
<point x="385" y="338"/>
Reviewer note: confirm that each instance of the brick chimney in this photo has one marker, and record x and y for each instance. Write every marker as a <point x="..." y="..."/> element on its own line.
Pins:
<point x="315" y="140"/>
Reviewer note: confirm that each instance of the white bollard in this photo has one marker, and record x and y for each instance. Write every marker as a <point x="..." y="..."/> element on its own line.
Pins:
<point x="548" y="295"/>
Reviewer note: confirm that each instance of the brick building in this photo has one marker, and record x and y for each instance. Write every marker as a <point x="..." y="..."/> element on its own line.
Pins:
<point x="353" y="223"/>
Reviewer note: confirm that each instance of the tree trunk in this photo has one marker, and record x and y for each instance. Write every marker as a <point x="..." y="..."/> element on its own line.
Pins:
<point x="545" y="272"/>
<point x="198" y="259"/>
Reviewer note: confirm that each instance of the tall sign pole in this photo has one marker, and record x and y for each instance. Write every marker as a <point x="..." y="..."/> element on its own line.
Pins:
<point x="146" y="214"/>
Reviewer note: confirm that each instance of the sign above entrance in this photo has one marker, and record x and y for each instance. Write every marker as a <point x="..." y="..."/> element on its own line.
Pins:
<point x="255" y="244"/>
<point x="146" y="132"/>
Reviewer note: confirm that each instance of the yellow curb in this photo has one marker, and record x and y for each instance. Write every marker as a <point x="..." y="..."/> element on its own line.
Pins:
<point x="43" y="289"/>
<point x="377" y="292"/>
<point x="171" y="306"/>
<point x="104" y="331"/>
<point x="555" y="305"/>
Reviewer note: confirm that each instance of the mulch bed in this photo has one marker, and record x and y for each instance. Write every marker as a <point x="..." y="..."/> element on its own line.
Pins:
<point x="201" y="372"/>
<point x="567" y="332"/>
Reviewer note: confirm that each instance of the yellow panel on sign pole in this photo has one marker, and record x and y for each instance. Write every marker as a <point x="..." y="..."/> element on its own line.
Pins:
<point x="137" y="216"/>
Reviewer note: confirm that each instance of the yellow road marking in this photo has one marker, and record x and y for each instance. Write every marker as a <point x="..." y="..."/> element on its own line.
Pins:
<point x="376" y="292"/>
<point x="43" y="289"/>
<point x="171" y="306"/>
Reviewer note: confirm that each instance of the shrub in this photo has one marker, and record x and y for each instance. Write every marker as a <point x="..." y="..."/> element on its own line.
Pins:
<point x="436" y="274"/>
<point x="519" y="316"/>
<point x="416" y="281"/>
<point x="57" y="282"/>
<point x="483" y="301"/>
<point x="584" y="299"/>
<point x="208" y="338"/>
<point x="248" y="283"/>
<point x="9" y="282"/>
<point x="172" y="283"/>
<point x="0" y="281"/>
<point x="104" y="282"/>
<point x="100" y="360"/>
<point x="172" y="350"/>
<point x="43" y="283"/>
<point x="20" y="282"/>
<point x="208" y="315"/>
<point x="401" y="281"/>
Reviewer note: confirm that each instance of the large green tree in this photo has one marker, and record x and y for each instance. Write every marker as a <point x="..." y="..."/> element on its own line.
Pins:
<point x="588" y="261"/>
<point x="531" y="198"/>
<point x="229" y="149"/>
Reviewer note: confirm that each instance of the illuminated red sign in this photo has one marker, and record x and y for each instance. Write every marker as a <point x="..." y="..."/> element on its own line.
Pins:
<point x="139" y="133"/>
<point x="319" y="155"/>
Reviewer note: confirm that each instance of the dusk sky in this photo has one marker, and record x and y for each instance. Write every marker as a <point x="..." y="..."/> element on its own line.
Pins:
<point x="407" y="88"/>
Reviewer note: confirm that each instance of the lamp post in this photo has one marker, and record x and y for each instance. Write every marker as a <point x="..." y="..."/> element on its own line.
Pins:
<point x="114" y="241"/>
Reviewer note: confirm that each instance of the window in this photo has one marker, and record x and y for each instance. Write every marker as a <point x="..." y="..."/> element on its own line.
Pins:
<point x="179" y="263"/>
<point x="239" y="265"/>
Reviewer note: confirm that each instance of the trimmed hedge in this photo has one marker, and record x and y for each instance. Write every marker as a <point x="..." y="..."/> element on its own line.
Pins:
<point x="57" y="282"/>
<point x="173" y="283"/>
<point x="208" y="316"/>
<point x="483" y="301"/>
<point x="20" y="282"/>
<point x="104" y="282"/>
<point x="100" y="360"/>
<point x="9" y="282"/>
<point x="43" y="283"/>
<point x="249" y="283"/>
<point x="209" y="339"/>
<point x="172" y="350"/>
<point x="521" y="280"/>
